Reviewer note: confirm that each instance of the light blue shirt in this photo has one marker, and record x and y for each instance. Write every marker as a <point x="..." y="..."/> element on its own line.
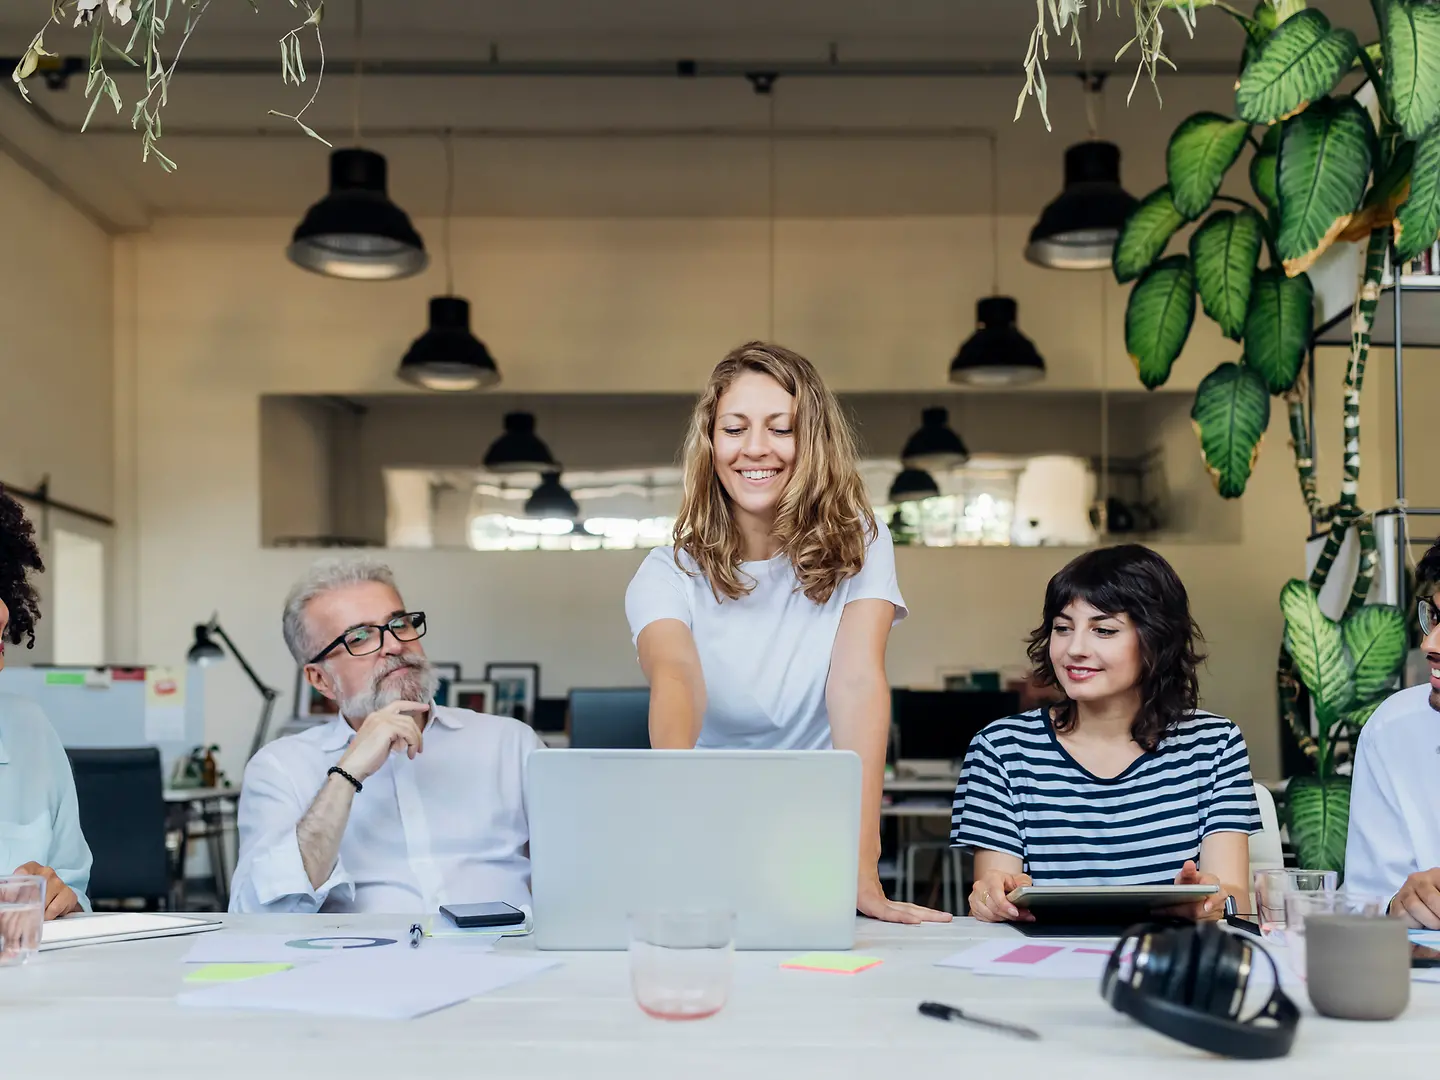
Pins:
<point x="39" y="814"/>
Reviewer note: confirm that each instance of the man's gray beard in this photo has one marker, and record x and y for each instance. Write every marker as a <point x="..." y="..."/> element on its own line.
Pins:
<point x="418" y="684"/>
<point x="1435" y="699"/>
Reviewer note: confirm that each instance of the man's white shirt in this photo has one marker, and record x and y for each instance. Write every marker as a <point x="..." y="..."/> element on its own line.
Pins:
<point x="1395" y="795"/>
<point x="449" y="827"/>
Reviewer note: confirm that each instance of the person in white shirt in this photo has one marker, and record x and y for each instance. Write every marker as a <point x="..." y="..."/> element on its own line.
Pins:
<point x="1393" y="847"/>
<point x="765" y="626"/>
<point x="39" y="815"/>
<point x="398" y="805"/>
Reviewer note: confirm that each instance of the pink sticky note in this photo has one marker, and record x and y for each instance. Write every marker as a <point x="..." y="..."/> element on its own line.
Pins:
<point x="1029" y="954"/>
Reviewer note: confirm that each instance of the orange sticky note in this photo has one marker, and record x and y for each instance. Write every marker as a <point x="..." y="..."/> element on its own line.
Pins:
<point x="832" y="963"/>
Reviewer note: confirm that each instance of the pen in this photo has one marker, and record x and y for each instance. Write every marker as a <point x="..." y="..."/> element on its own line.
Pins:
<point x="415" y="934"/>
<point x="949" y="1012"/>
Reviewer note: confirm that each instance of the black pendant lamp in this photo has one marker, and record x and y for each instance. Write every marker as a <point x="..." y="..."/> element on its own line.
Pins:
<point x="935" y="447"/>
<point x="520" y="449"/>
<point x="552" y="500"/>
<point x="1079" y="229"/>
<point x="997" y="354"/>
<point x="356" y="232"/>
<point x="912" y="485"/>
<point x="448" y="357"/>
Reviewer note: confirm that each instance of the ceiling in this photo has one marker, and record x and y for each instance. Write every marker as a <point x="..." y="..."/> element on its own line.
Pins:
<point x="587" y="117"/>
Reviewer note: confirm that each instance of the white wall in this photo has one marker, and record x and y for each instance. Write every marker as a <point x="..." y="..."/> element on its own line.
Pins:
<point x="55" y="358"/>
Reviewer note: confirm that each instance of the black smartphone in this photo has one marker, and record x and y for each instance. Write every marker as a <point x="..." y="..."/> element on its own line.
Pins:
<point x="1423" y="956"/>
<point x="470" y="916"/>
<point x="1244" y="922"/>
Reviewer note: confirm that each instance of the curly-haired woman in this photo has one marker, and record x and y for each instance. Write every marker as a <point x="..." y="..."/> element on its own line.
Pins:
<point x="765" y="626"/>
<point x="39" y="817"/>
<point x="1125" y="781"/>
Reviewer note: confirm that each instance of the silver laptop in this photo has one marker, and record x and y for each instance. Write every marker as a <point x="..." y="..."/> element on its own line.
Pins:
<point x="771" y="835"/>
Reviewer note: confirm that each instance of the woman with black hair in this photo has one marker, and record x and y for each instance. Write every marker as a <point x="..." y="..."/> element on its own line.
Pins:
<point x="1125" y="781"/>
<point x="39" y="817"/>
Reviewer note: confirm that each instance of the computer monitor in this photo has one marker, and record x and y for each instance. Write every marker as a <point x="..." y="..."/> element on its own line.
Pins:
<point x="612" y="718"/>
<point x="770" y="835"/>
<point x="937" y="725"/>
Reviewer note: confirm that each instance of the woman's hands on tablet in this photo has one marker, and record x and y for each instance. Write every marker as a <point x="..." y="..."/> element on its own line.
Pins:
<point x="1212" y="907"/>
<point x="997" y="874"/>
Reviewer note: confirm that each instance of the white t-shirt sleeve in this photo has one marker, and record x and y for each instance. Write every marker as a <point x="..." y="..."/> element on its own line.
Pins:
<point x="657" y="591"/>
<point x="876" y="579"/>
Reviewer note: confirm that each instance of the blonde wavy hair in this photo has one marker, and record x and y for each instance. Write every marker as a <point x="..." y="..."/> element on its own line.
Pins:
<point x="823" y="521"/>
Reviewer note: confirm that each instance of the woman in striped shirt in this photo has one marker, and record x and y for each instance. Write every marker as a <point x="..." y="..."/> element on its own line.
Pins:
<point x="1125" y="781"/>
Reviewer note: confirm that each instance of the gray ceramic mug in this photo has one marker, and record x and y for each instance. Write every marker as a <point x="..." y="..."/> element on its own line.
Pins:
<point x="1357" y="967"/>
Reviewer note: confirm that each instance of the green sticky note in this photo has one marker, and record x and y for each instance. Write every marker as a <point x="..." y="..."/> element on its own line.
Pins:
<point x="832" y="962"/>
<point x="65" y="678"/>
<point x="234" y="972"/>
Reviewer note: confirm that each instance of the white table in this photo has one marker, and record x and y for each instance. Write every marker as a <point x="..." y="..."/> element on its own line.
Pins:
<point x="109" y="1010"/>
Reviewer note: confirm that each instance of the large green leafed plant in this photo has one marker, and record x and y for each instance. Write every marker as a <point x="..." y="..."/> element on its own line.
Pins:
<point x="1321" y="172"/>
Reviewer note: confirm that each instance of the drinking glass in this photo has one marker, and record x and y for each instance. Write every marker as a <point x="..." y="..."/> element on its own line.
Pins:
<point x="22" y="914"/>
<point x="1271" y="888"/>
<point x="1301" y="905"/>
<point x="680" y="961"/>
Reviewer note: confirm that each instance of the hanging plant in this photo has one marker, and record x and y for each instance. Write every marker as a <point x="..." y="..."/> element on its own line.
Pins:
<point x="144" y="27"/>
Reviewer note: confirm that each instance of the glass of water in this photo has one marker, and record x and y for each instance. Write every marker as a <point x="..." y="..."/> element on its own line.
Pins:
<point x="1301" y="905"/>
<point x="1271" y="888"/>
<point x="22" y="914"/>
<point x="680" y="962"/>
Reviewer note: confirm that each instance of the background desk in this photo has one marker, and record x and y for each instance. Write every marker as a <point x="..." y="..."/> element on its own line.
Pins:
<point x="109" y="1010"/>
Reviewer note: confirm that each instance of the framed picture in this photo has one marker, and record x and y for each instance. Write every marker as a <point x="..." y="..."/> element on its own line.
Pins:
<point x="311" y="702"/>
<point x="449" y="676"/>
<point x="517" y="687"/>
<point x="477" y="695"/>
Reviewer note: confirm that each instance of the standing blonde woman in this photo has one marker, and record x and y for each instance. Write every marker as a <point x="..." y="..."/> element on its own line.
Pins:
<point x="765" y="626"/>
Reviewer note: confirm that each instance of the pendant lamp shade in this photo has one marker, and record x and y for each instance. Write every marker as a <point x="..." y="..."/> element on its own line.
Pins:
<point x="935" y="447"/>
<point x="1079" y="229"/>
<point x="552" y="500"/>
<point x="356" y="232"/>
<point x="997" y="354"/>
<point x="520" y="449"/>
<point x="448" y="356"/>
<point x="913" y="485"/>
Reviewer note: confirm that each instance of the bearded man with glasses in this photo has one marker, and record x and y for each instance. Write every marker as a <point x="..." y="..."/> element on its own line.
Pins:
<point x="1393" y="848"/>
<point x="398" y="805"/>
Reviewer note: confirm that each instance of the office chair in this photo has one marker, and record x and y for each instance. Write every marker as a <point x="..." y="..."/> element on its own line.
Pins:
<point x="610" y="719"/>
<point x="122" y="814"/>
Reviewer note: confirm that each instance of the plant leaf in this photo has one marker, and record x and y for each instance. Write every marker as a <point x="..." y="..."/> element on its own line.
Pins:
<point x="1410" y="37"/>
<point x="1324" y="164"/>
<point x="1201" y="150"/>
<point x="1355" y="719"/>
<point x="1230" y="414"/>
<point x="1277" y="327"/>
<point x="1376" y="638"/>
<point x="1317" y="643"/>
<point x="1158" y="318"/>
<point x="1301" y="62"/>
<point x="1225" y="251"/>
<point x="1262" y="180"/>
<point x="1147" y="230"/>
<point x="1418" y="222"/>
<point x="1317" y="817"/>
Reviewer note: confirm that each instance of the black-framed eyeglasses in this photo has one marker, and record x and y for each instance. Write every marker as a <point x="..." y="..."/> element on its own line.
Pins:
<point x="1429" y="615"/>
<point x="364" y="640"/>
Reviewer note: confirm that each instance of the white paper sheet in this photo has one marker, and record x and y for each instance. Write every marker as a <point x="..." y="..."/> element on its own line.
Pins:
<point x="379" y="983"/>
<point x="991" y="952"/>
<point x="228" y="948"/>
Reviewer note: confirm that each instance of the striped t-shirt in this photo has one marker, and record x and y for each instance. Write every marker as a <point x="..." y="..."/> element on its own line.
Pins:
<point x="1021" y="792"/>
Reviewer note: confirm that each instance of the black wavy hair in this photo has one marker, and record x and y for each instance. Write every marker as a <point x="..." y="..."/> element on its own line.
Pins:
<point x="18" y="557"/>
<point x="1132" y="580"/>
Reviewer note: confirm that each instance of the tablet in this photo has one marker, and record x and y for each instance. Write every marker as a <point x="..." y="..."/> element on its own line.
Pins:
<point x="1060" y="897"/>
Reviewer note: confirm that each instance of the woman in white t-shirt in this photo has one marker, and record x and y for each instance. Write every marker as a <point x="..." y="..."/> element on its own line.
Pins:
<point x="765" y="626"/>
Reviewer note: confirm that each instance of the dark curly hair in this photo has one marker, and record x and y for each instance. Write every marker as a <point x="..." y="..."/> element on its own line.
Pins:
<point x="1132" y="580"/>
<point x="18" y="556"/>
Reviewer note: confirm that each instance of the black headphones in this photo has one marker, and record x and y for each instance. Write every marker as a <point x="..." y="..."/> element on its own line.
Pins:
<point x="1188" y="981"/>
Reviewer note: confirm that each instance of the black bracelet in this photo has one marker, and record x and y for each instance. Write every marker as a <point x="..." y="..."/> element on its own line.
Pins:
<point x="338" y="771"/>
